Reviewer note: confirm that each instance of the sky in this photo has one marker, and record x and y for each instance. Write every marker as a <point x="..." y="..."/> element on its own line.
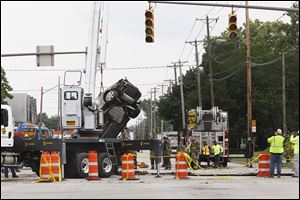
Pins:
<point x="25" y="25"/>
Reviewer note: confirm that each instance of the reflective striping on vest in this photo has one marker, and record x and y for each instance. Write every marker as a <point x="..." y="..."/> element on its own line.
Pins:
<point x="264" y="161"/>
<point x="128" y="162"/>
<point x="54" y="164"/>
<point x="93" y="174"/>
<point x="93" y="163"/>
<point x="263" y="169"/>
<point x="130" y="170"/>
<point x="181" y="170"/>
<point x="45" y="176"/>
<point x="180" y="162"/>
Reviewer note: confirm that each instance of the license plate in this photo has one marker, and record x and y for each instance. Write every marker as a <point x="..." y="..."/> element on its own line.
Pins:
<point x="70" y="123"/>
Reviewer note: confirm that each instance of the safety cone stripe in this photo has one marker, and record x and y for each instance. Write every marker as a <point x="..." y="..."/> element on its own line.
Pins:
<point x="181" y="170"/>
<point x="128" y="162"/>
<point x="93" y="174"/>
<point x="130" y="170"/>
<point x="263" y="162"/>
<point x="264" y="170"/>
<point x="180" y="162"/>
<point x="93" y="163"/>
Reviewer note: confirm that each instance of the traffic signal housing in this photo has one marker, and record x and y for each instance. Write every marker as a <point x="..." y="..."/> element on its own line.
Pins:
<point x="232" y="26"/>
<point x="192" y="119"/>
<point x="149" y="22"/>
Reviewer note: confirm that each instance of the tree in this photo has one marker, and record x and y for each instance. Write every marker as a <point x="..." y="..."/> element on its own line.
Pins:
<point x="268" y="41"/>
<point x="5" y="87"/>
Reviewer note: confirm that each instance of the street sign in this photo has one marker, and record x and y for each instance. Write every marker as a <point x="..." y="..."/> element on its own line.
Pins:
<point x="45" y="60"/>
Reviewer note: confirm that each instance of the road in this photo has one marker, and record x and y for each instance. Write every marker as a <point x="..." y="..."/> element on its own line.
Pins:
<point x="225" y="187"/>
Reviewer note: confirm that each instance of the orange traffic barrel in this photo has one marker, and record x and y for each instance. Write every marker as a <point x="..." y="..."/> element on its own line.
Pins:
<point x="55" y="166"/>
<point x="93" y="166"/>
<point x="128" y="172"/>
<point x="45" y="166"/>
<point x="264" y="164"/>
<point x="181" y="170"/>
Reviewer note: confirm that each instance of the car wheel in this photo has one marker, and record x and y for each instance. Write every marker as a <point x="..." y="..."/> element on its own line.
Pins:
<point x="110" y="96"/>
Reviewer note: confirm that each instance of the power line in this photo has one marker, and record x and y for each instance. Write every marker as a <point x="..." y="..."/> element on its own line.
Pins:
<point x="109" y="69"/>
<point x="187" y="39"/>
<point x="230" y="75"/>
<point x="236" y="66"/>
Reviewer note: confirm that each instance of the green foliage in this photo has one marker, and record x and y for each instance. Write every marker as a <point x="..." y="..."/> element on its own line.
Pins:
<point x="5" y="87"/>
<point x="268" y="41"/>
<point x="51" y="123"/>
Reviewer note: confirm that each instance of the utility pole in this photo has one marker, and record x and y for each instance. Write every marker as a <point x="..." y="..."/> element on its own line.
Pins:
<point x="207" y="21"/>
<point x="151" y="130"/>
<point x="58" y="110"/>
<point x="41" y="109"/>
<point x="249" y="84"/>
<point x="162" y="89"/>
<point x="170" y="84"/>
<point x="181" y="93"/>
<point x="175" y="73"/>
<point x="154" y="111"/>
<point x="283" y="95"/>
<point x="195" y="43"/>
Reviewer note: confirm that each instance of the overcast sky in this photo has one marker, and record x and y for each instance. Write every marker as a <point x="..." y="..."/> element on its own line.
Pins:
<point x="24" y="25"/>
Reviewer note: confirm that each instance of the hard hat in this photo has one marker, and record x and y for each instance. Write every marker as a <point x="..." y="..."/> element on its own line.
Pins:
<point x="279" y="131"/>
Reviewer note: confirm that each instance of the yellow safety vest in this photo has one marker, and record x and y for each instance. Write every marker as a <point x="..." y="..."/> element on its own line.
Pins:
<point x="217" y="149"/>
<point x="205" y="150"/>
<point x="295" y="141"/>
<point x="276" y="144"/>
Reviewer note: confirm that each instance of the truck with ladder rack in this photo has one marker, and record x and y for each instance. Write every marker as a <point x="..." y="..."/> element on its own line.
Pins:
<point x="209" y="126"/>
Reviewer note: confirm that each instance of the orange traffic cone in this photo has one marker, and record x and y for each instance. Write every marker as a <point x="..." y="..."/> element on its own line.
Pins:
<point x="128" y="167"/>
<point x="181" y="166"/>
<point x="93" y="166"/>
<point x="55" y="166"/>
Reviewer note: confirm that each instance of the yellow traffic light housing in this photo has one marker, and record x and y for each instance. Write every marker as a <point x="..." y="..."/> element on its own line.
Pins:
<point x="192" y="119"/>
<point x="149" y="22"/>
<point x="232" y="26"/>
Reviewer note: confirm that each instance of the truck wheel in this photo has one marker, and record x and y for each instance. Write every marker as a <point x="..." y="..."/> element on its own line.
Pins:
<point x="105" y="165"/>
<point x="110" y="95"/>
<point x="80" y="166"/>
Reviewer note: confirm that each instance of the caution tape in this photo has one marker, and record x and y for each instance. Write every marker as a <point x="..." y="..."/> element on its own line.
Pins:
<point x="51" y="174"/>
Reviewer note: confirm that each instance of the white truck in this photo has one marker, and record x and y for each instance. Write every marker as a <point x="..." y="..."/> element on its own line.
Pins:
<point x="210" y="125"/>
<point x="8" y="157"/>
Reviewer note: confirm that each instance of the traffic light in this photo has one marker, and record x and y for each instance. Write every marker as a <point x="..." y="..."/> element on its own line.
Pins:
<point x="192" y="119"/>
<point x="149" y="22"/>
<point x="232" y="27"/>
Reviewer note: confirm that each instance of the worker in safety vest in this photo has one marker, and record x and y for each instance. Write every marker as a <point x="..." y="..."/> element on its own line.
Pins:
<point x="194" y="150"/>
<point x="276" y="150"/>
<point x="205" y="153"/>
<point x="295" y="141"/>
<point x="217" y="150"/>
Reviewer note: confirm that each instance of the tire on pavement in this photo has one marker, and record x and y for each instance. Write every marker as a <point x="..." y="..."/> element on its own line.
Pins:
<point x="105" y="166"/>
